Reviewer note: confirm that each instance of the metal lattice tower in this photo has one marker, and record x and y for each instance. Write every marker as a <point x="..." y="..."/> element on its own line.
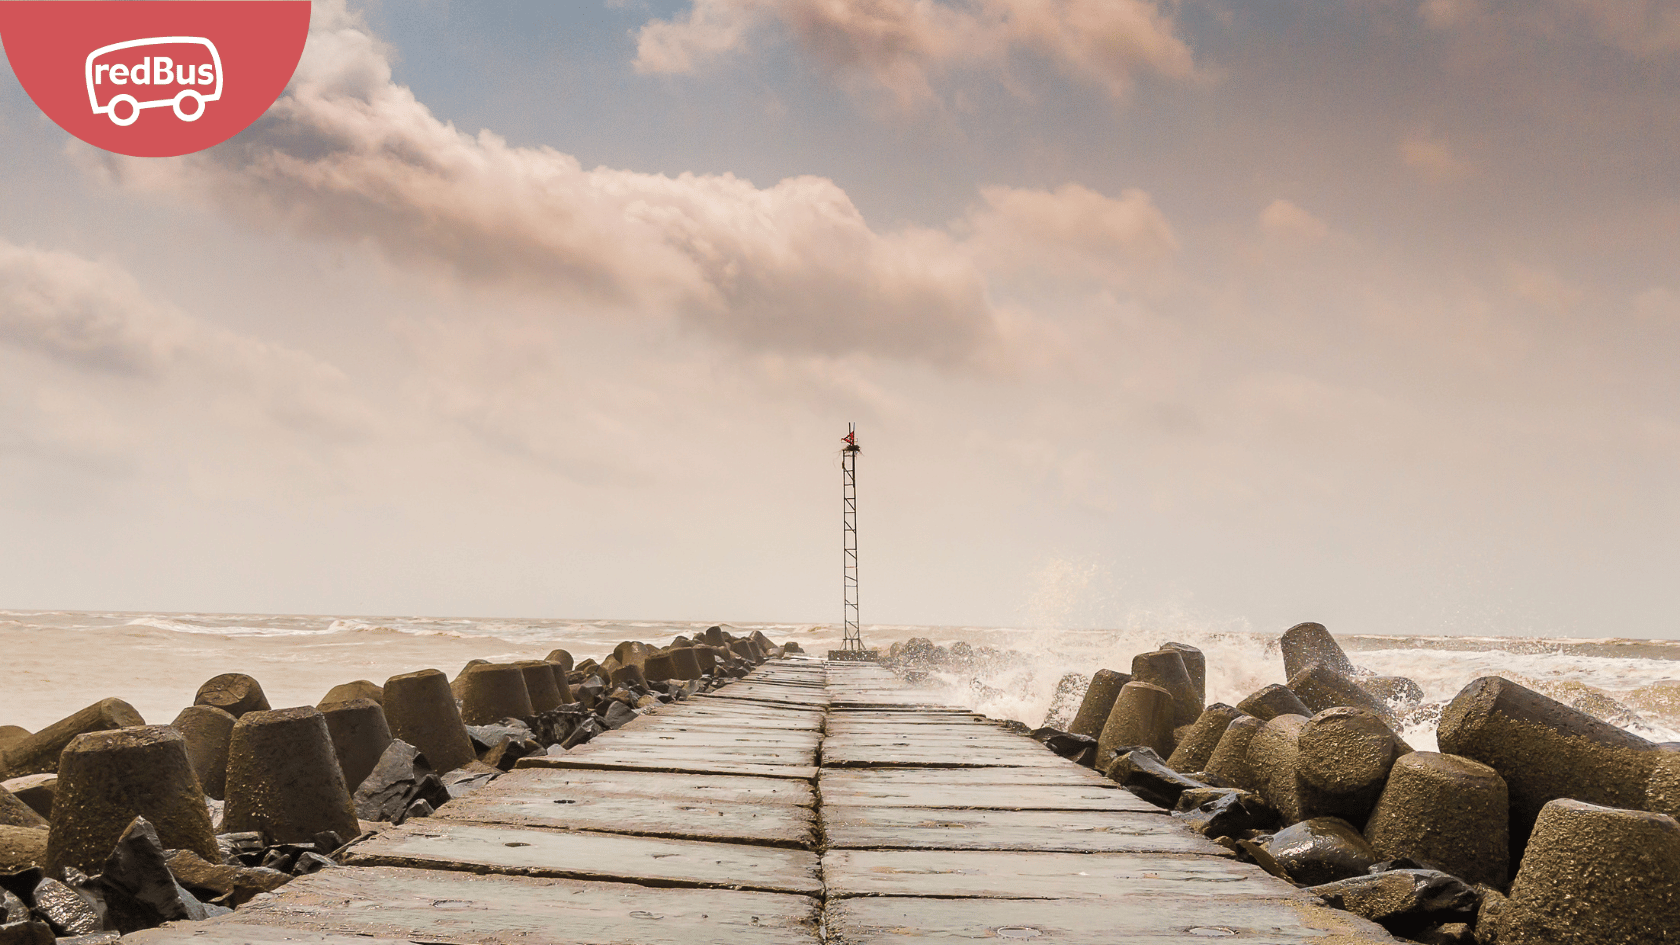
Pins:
<point x="848" y="468"/>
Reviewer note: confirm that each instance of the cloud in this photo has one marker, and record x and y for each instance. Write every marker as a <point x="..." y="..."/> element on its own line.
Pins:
<point x="1433" y="157"/>
<point x="904" y="46"/>
<point x="1072" y="232"/>
<point x="1285" y="222"/>
<point x="75" y="318"/>
<point x="348" y="154"/>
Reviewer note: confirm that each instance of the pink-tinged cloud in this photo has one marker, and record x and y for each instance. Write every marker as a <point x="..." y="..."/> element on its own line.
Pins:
<point x="905" y="46"/>
<point x="347" y="154"/>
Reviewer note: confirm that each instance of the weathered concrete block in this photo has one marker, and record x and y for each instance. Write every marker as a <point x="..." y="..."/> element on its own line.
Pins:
<point x="1345" y="756"/>
<point x="283" y="778"/>
<point x="359" y="736"/>
<point x="1445" y="810"/>
<point x="22" y="848"/>
<point x="351" y="691"/>
<point x="1229" y="761"/>
<point x="562" y="657"/>
<point x="106" y="779"/>
<point x="1307" y="643"/>
<point x="15" y="813"/>
<point x="38" y="753"/>
<point x="420" y="710"/>
<point x="235" y="693"/>
<point x="35" y="791"/>
<point x="1195" y="663"/>
<point x="1272" y="701"/>
<point x="1321" y="687"/>
<point x="207" y="730"/>
<point x="1165" y="668"/>
<point x="1098" y="702"/>
<point x="539" y="685"/>
<point x="1545" y="750"/>
<point x="1196" y="745"/>
<point x="1142" y="716"/>
<point x="1595" y="876"/>
<point x="1273" y="756"/>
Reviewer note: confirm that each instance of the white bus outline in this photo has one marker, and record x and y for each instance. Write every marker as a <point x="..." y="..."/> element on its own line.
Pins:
<point x="109" y="108"/>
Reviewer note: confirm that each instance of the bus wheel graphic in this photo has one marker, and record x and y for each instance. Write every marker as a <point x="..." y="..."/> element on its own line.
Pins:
<point x="188" y="95"/>
<point x="133" y="109"/>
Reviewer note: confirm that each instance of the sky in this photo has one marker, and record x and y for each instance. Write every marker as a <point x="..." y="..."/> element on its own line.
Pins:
<point x="1185" y="312"/>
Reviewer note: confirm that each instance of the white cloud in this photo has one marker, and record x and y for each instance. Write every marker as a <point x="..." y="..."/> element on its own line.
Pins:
<point x="348" y="154"/>
<point x="1072" y="232"/>
<point x="905" y="46"/>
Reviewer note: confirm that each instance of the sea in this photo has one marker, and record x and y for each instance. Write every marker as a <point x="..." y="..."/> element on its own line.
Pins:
<point x="55" y="662"/>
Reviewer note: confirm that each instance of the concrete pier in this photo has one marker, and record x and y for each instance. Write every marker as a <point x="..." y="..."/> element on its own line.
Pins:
<point x="810" y="802"/>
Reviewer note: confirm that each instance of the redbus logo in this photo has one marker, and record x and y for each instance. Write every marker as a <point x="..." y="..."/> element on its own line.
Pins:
<point x="184" y="84"/>
<point x="205" y="69"/>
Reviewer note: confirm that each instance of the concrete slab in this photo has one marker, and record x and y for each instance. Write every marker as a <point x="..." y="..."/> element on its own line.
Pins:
<point x="1139" y="921"/>
<point x="710" y="788"/>
<point x="726" y="713"/>
<point x="1037" y="777"/>
<point x="668" y="761"/>
<point x="772" y="695"/>
<point x="695" y="747"/>
<point x="473" y="848"/>
<point x="672" y="735"/>
<point x="960" y="795"/>
<point x="921" y="828"/>
<point x="463" y="909"/>
<point x="841" y="754"/>
<point x="985" y="874"/>
<point x="673" y="813"/>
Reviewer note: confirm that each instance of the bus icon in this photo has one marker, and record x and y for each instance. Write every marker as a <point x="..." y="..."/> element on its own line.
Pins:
<point x="186" y="80"/>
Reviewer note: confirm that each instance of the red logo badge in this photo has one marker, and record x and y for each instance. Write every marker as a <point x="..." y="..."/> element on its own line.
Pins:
<point x="154" y="78"/>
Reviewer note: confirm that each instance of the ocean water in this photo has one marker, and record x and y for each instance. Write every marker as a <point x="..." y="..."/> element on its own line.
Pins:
<point x="57" y="662"/>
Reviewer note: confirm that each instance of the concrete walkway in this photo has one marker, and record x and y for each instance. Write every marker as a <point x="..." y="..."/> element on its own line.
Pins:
<point x="809" y="802"/>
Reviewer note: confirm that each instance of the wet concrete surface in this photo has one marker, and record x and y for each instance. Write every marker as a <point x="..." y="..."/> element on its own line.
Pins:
<point x="808" y="803"/>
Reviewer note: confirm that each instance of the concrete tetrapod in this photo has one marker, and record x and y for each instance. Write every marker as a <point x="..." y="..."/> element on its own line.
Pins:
<point x="1142" y="715"/>
<point x="687" y="663"/>
<point x="1596" y="876"/>
<point x="1662" y="790"/>
<point x="360" y="736"/>
<point x="346" y="692"/>
<point x="1345" y="756"/>
<point x="420" y="710"/>
<point x="539" y="685"/>
<point x="207" y="730"/>
<point x="15" y="813"/>
<point x="562" y="686"/>
<point x="1272" y="701"/>
<point x="1098" y="702"/>
<point x="1195" y="663"/>
<point x="1307" y="643"/>
<point x="562" y="657"/>
<point x="1273" y="756"/>
<point x="1165" y="668"/>
<point x="39" y="753"/>
<point x="1445" y="810"/>
<point x="1229" y="761"/>
<point x="659" y="667"/>
<point x="1198" y="743"/>
<point x="283" y="778"/>
<point x="490" y="692"/>
<point x="236" y="693"/>
<point x="106" y="779"/>
<point x="1321" y="687"/>
<point x="1545" y="750"/>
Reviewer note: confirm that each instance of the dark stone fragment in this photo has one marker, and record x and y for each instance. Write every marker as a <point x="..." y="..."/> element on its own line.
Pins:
<point x="233" y="845"/>
<point x="487" y="737"/>
<point x="1079" y="749"/>
<point x="619" y="715"/>
<point x="226" y="885"/>
<point x="12" y="909"/>
<point x="1404" y="901"/>
<point x="503" y="756"/>
<point x="401" y="778"/>
<point x="554" y="725"/>
<point x="311" y="863"/>
<point x="68" y="911"/>
<point x="587" y="729"/>
<point x="1144" y="773"/>
<point x="279" y="859"/>
<point x="1254" y="851"/>
<point x="590" y="691"/>
<point x="1226" y="812"/>
<point x="469" y="778"/>
<point x="1321" y="850"/>
<point x="31" y="932"/>
<point x="420" y="808"/>
<point x="96" y="938"/>
<point x="1450" y="933"/>
<point x="1403" y="863"/>
<point x="140" y="892"/>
